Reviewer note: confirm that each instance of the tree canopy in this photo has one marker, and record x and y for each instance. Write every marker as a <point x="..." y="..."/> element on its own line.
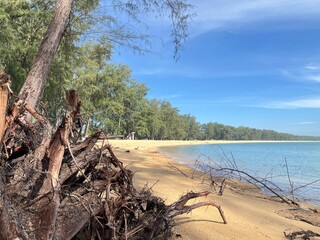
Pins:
<point x="112" y="100"/>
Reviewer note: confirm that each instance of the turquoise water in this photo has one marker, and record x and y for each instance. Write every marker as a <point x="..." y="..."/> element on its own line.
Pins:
<point x="263" y="160"/>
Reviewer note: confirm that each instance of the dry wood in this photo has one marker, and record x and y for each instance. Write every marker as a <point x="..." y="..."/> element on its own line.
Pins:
<point x="4" y="96"/>
<point x="52" y="188"/>
<point x="179" y="207"/>
<point x="301" y="235"/>
<point x="179" y="170"/>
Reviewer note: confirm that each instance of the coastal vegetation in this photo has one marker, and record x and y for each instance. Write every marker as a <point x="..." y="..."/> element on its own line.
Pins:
<point x="54" y="184"/>
<point x="112" y="99"/>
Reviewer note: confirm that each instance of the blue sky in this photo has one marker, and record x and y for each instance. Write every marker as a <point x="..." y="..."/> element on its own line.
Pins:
<point x="246" y="63"/>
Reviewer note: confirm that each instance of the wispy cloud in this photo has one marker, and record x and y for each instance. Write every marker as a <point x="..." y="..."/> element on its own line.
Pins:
<point x="314" y="77"/>
<point x="149" y="71"/>
<point x="307" y="73"/>
<point x="171" y="96"/>
<point x="312" y="67"/>
<point x="294" y="104"/>
<point x="221" y="13"/>
<point x="312" y="72"/>
<point x="307" y="123"/>
<point x="196" y="73"/>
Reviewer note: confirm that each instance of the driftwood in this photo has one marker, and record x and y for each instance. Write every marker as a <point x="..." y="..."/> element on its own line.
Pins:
<point x="54" y="186"/>
<point x="178" y="169"/>
<point x="261" y="184"/>
<point x="301" y="235"/>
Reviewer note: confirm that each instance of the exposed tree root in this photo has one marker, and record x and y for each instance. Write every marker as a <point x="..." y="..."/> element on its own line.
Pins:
<point x="55" y="188"/>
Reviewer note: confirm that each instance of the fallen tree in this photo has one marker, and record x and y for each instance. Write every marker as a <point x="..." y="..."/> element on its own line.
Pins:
<point x="55" y="186"/>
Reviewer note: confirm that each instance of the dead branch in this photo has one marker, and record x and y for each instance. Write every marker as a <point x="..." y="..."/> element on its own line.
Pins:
<point x="255" y="179"/>
<point x="222" y="187"/>
<point x="289" y="178"/>
<point x="179" y="207"/>
<point x="301" y="234"/>
<point x="179" y="170"/>
<point x="284" y="199"/>
<point x="52" y="187"/>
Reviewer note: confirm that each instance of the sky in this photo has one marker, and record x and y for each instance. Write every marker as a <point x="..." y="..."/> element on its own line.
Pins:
<point x="246" y="63"/>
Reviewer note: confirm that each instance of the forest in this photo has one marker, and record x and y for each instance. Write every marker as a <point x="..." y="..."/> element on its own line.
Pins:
<point x="112" y="100"/>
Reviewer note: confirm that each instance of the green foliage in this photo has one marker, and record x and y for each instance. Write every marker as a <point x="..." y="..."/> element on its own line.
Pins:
<point x="165" y="123"/>
<point x="223" y="132"/>
<point x="23" y="24"/>
<point x="112" y="100"/>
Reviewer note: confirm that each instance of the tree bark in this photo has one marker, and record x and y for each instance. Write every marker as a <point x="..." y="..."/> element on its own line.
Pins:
<point x="4" y="95"/>
<point x="33" y="87"/>
<point x="86" y="131"/>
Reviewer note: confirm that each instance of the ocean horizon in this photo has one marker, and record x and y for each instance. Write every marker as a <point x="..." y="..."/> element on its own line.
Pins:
<point x="282" y="165"/>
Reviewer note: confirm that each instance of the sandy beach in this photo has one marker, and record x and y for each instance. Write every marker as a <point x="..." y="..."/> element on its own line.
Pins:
<point x="250" y="215"/>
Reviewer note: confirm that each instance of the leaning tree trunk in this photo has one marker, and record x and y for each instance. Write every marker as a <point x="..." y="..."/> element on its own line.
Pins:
<point x="33" y="87"/>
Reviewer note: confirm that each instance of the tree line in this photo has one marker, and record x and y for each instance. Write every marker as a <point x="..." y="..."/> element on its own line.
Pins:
<point x="54" y="184"/>
<point x="111" y="99"/>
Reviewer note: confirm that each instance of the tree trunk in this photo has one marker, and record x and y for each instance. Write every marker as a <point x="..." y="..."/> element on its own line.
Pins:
<point x="4" y="95"/>
<point x="86" y="131"/>
<point x="33" y="87"/>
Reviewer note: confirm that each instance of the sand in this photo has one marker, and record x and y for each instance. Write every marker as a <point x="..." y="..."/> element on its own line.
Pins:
<point x="248" y="216"/>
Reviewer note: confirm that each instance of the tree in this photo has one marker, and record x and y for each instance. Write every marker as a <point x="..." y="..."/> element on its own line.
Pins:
<point x="23" y="25"/>
<point x="112" y="100"/>
<point x="193" y="127"/>
<point x="34" y="85"/>
<point x="43" y="174"/>
<point x="153" y="118"/>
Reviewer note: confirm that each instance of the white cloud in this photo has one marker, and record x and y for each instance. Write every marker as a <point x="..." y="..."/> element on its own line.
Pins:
<point x="196" y="72"/>
<point x="149" y="71"/>
<point x="307" y="123"/>
<point x="315" y="77"/>
<point x="294" y="104"/>
<point x="312" y="72"/>
<point x="213" y="14"/>
<point x="172" y="96"/>
<point x="309" y="73"/>
<point x="312" y="67"/>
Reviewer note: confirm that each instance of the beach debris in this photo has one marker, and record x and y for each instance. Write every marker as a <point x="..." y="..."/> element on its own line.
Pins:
<point x="222" y="187"/>
<point x="305" y="235"/>
<point x="218" y="173"/>
<point x="60" y="186"/>
<point x="304" y="215"/>
<point x="178" y="235"/>
<point x="178" y="169"/>
<point x="214" y="184"/>
<point x="229" y="169"/>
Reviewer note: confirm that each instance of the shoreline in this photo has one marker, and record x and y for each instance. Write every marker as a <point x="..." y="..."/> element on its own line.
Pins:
<point x="166" y="143"/>
<point x="251" y="215"/>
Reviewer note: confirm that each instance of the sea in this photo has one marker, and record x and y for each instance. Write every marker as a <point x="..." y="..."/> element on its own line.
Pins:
<point x="290" y="168"/>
